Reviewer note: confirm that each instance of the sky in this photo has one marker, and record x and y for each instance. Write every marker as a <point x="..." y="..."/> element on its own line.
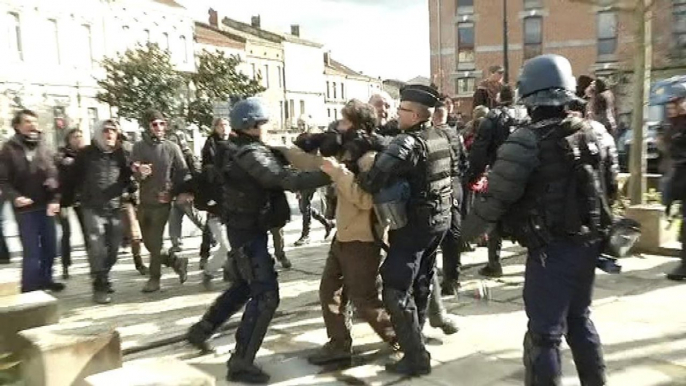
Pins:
<point x="386" y="38"/>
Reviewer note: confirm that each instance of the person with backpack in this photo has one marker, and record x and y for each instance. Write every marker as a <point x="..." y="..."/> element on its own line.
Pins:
<point x="492" y="132"/>
<point x="543" y="188"/>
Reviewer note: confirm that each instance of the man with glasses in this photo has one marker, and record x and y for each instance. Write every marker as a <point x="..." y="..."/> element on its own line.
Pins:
<point x="159" y="166"/>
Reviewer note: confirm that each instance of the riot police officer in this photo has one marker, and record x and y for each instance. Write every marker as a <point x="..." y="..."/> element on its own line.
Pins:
<point x="254" y="180"/>
<point x="422" y="157"/>
<point x="544" y="188"/>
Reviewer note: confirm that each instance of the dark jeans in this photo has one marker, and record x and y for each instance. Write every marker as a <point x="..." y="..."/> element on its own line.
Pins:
<point x="207" y="238"/>
<point x="39" y="242"/>
<point x="558" y="289"/>
<point x="65" y="224"/>
<point x="308" y="211"/>
<point x="4" y="249"/>
<point x="176" y="215"/>
<point x="495" y="246"/>
<point x="105" y="233"/>
<point x="153" y="218"/>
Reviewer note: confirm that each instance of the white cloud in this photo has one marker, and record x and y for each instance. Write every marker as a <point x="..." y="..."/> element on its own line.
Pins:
<point x="387" y="38"/>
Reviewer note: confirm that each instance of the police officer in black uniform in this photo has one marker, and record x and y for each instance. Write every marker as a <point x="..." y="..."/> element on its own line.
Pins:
<point x="544" y="188"/>
<point x="254" y="180"/>
<point x="421" y="156"/>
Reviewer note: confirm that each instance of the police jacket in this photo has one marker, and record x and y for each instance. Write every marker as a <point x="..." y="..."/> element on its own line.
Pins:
<point x="423" y="157"/>
<point x="533" y="185"/>
<point x="491" y="134"/>
<point x="253" y="182"/>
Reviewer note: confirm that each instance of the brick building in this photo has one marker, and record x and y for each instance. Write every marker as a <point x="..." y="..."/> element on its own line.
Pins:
<point x="467" y="37"/>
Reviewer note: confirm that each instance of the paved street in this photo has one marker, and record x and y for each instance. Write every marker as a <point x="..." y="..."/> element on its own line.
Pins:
<point x="637" y="314"/>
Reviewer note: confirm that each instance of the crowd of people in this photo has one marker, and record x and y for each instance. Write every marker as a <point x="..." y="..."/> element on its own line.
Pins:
<point x="403" y="184"/>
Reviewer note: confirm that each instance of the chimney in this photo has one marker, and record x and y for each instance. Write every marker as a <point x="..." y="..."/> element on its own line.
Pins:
<point x="327" y="58"/>
<point x="295" y="30"/>
<point x="256" y="22"/>
<point x="214" y="18"/>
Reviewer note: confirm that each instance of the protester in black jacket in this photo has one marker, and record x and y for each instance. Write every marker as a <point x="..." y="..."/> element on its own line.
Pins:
<point x="64" y="160"/>
<point x="105" y="175"/>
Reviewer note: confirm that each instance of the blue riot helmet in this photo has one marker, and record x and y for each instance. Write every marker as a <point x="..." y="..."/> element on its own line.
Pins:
<point x="247" y="113"/>
<point x="390" y="205"/>
<point x="546" y="80"/>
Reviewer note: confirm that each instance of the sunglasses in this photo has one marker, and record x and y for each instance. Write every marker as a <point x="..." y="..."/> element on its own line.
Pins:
<point x="159" y="124"/>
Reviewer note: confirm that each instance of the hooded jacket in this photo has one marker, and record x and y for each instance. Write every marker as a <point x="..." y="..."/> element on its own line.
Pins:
<point x="29" y="173"/>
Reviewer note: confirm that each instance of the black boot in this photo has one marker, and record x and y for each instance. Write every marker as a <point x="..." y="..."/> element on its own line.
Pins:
<point x="416" y="360"/>
<point x="285" y="262"/>
<point x="438" y="316"/>
<point x="245" y="372"/>
<point x="328" y="224"/>
<point x="679" y="273"/>
<point x="199" y="334"/>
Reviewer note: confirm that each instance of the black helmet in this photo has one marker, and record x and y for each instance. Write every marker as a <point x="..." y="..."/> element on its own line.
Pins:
<point x="546" y="80"/>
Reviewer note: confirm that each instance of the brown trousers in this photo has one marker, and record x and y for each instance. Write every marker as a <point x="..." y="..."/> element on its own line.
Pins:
<point x="350" y="275"/>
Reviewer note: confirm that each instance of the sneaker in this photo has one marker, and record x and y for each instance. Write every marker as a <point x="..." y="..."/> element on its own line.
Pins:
<point x="285" y="262"/>
<point x="331" y="352"/>
<point x="302" y="241"/>
<point x="102" y="297"/>
<point x="415" y="365"/>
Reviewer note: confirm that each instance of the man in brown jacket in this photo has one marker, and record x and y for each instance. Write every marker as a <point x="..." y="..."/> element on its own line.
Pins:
<point x="353" y="263"/>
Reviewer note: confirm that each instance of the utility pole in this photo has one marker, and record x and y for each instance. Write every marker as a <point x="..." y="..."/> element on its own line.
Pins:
<point x="506" y="58"/>
<point x="642" y="71"/>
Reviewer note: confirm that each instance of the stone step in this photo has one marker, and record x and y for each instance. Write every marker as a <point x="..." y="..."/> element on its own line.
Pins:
<point x="153" y="372"/>
<point x="65" y="354"/>
<point x="9" y="288"/>
<point x="24" y="311"/>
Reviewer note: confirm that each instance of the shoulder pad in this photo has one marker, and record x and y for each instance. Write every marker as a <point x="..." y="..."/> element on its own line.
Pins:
<point x="524" y="136"/>
<point x="407" y="141"/>
<point x="253" y="148"/>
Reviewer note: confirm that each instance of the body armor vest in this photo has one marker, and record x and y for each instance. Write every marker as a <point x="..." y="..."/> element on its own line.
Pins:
<point x="562" y="195"/>
<point x="430" y="182"/>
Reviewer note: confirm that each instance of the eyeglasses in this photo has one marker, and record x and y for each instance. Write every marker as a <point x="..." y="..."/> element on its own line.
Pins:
<point x="159" y="124"/>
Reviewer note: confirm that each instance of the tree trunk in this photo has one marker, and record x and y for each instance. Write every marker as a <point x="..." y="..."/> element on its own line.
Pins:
<point x="642" y="68"/>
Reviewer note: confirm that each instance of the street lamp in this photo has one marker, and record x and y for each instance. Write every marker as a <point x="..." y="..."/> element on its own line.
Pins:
<point x="506" y="59"/>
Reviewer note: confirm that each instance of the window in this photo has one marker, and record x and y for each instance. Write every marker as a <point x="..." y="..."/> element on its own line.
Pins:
<point x="14" y="37"/>
<point x="92" y="119"/>
<point x="302" y="107"/>
<point x="281" y="111"/>
<point x="328" y="91"/>
<point x="254" y="70"/>
<point x="342" y="91"/>
<point x="165" y="41"/>
<point x="334" y="90"/>
<point x="86" y="45"/>
<point x="465" y="43"/>
<point x="328" y="113"/>
<point x="146" y="36"/>
<point x="265" y="76"/>
<point x="465" y="6"/>
<point x="465" y="86"/>
<point x="292" y="108"/>
<point x="278" y="70"/>
<point x="680" y="27"/>
<point x="532" y="4"/>
<point x="184" y="50"/>
<point x="53" y="48"/>
<point x="533" y="37"/>
<point x="607" y="33"/>
<point x="335" y="114"/>
<point x="285" y="109"/>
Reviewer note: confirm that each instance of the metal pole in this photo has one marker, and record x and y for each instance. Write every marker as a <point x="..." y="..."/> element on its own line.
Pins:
<point x="506" y="58"/>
